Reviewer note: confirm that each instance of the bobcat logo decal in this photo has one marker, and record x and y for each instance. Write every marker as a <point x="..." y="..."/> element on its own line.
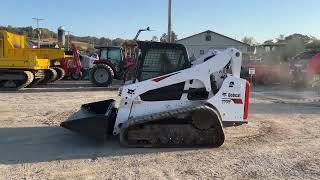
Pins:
<point x="131" y="91"/>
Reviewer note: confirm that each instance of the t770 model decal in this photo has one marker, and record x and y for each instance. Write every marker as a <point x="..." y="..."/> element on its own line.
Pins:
<point x="234" y="100"/>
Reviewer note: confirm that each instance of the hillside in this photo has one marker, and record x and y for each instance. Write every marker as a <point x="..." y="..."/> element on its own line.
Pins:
<point x="50" y="36"/>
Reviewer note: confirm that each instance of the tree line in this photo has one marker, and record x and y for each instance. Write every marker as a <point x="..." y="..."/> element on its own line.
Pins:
<point x="31" y="33"/>
<point x="286" y="46"/>
<point x="305" y="41"/>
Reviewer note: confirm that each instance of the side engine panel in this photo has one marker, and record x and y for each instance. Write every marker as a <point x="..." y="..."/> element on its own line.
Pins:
<point x="230" y="101"/>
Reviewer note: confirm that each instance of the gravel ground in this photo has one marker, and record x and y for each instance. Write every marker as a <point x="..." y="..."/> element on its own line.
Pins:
<point x="282" y="141"/>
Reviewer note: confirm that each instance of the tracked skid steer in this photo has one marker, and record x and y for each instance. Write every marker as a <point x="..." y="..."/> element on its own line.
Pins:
<point x="171" y="102"/>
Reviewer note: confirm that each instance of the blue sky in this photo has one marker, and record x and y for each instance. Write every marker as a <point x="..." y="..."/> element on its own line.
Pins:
<point x="261" y="19"/>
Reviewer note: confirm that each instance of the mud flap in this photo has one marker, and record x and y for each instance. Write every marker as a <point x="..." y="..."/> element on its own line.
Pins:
<point x="95" y="120"/>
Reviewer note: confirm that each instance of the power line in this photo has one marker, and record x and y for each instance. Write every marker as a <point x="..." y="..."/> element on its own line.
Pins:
<point x="169" y="21"/>
<point x="68" y="40"/>
<point x="38" y="29"/>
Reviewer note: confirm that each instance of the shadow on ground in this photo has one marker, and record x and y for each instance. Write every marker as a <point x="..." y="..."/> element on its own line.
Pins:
<point x="68" y="86"/>
<point x="42" y="144"/>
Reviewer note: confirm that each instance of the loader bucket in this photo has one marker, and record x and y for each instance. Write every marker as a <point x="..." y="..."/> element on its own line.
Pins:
<point x="95" y="120"/>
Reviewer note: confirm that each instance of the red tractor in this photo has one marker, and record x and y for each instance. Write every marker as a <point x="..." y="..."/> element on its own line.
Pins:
<point x="108" y="67"/>
<point x="115" y="62"/>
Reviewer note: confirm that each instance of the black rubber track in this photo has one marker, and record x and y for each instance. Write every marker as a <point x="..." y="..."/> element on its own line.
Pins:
<point x="28" y="78"/>
<point x="173" y="135"/>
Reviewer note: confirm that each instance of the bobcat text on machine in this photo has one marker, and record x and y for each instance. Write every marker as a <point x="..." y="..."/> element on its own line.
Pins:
<point x="189" y="106"/>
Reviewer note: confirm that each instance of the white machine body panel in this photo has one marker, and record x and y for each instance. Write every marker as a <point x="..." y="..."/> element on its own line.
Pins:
<point x="211" y="68"/>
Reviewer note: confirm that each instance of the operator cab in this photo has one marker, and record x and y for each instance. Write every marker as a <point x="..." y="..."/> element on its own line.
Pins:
<point x="113" y="56"/>
<point x="157" y="59"/>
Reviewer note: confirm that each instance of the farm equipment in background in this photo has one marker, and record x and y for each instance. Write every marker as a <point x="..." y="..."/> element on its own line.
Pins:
<point x="87" y="63"/>
<point x="63" y="64"/>
<point x="267" y="74"/>
<point x="19" y="65"/>
<point x="56" y="57"/>
<point x="66" y="63"/>
<point x="109" y="66"/>
<point x="115" y="62"/>
<point x="304" y="68"/>
<point x="171" y="103"/>
<point x="70" y="67"/>
<point x="314" y="71"/>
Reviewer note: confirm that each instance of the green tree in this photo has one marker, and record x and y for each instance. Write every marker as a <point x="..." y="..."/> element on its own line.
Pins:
<point x="280" y="38"/>
<point x="314" y="44"/>
<point x="46" y="33"/>
<point x="300" y="37"/>
<point x="164" y="37"/>
<point x="105" y="41"/>
<point x="117" y="41"/>
<point x="289" y="47"/>
<point x="249" y="40"/>
<point x="155" y="39"/>
<point x="28" y="31"/>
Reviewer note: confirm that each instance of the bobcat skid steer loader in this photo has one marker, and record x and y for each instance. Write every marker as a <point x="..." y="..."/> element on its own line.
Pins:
<point x="184" y="108"/>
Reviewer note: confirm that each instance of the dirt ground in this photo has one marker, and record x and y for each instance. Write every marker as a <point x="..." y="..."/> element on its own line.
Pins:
<point x="282" y="141"/>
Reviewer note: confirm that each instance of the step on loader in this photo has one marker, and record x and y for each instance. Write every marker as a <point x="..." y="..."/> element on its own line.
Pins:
<point x="171" y="103"/>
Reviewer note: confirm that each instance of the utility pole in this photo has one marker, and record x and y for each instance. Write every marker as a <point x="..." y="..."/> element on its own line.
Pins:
<point x="68" y="40"/>
<point x="38" y="29"/>
<point x="169" y="21"/>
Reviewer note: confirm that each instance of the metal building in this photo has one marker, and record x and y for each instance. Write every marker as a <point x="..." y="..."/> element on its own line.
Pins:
<point x="200" y="43"/>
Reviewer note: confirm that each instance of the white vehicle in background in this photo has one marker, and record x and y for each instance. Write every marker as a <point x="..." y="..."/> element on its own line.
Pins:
<point x="87" y="63"/>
